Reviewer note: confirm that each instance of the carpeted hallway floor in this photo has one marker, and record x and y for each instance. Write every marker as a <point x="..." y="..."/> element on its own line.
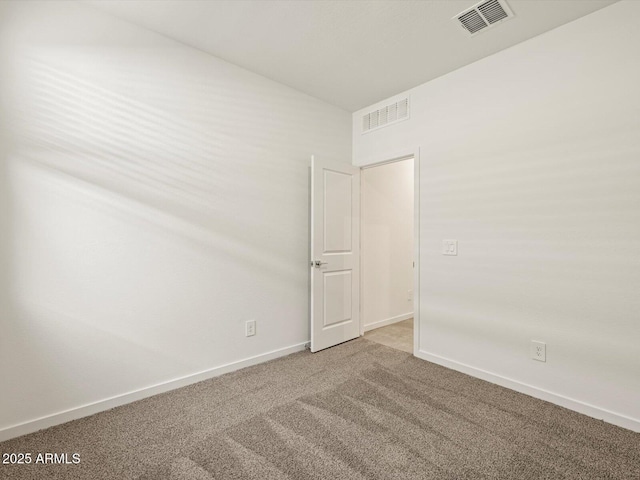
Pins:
<point x="360" y="410"/>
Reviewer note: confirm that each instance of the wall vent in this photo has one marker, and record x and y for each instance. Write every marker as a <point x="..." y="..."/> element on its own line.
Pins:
<point x="386" y="115"/>
<point x="483" y="16"/>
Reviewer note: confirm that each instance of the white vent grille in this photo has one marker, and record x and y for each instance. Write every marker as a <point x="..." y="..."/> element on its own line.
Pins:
<point x="472" y="21"/>
<point x="493" y="11"/>
<point x="387" y="115"/>
<point x="483" y="15"/>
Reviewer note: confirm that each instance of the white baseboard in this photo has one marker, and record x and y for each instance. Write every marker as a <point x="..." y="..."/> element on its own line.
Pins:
<point x="557" y="399"/>
<point x="388" y="321"/>
<point x="118" y="400"/>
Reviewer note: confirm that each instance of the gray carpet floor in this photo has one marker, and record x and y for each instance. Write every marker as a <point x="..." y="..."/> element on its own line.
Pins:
<point x="360" y="410"/>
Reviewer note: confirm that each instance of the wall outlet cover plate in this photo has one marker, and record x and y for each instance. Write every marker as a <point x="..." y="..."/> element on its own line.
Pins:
<point x="538" y="351"/>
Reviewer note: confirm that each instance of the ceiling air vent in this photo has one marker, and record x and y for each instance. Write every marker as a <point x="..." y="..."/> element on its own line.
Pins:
<point x="483" y="15"/>
<point x="387" y="115"/>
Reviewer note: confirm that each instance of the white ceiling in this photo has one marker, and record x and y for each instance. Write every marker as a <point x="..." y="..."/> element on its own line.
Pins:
<point x="348" y="53"/>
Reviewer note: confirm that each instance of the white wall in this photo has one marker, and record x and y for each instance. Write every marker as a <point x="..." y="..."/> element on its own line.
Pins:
<point x="530" y="159"/>
<point x="158" y="198"/>
<point x="386" y="243"/>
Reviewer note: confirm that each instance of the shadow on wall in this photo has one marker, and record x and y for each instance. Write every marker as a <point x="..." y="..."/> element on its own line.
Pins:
<point x="143" y="135"/>
<point x="159" y="199"/>
<point x="193" y="176"/>
<point x="5" y="209"/>
<point x="156" y="125"/>
<point x="5" y="228"/>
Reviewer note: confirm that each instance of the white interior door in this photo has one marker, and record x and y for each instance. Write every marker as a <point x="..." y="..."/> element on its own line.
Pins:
<point x="335" y="253"/>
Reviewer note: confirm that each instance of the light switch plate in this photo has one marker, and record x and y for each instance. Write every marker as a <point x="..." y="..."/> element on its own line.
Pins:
<point x="450" y="247"/>
<point x="250" y="328"/>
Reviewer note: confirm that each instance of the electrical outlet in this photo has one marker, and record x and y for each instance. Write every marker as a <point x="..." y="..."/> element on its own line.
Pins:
<point x="250" y="328"/>
<point x="539" y="351"/>
<point x="410" y="295"/>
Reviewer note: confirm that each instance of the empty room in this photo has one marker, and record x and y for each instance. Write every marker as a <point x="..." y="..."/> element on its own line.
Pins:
<point x="319" y="239"/>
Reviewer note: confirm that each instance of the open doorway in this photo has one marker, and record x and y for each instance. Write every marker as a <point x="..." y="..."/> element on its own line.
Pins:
<point x="387" y="253"/>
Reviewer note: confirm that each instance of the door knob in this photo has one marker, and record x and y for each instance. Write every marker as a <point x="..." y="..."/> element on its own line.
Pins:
<point x="317" y="263"/>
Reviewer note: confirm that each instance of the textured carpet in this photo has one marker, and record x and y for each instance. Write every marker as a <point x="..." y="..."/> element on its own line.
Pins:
<point x="356" y="411"/>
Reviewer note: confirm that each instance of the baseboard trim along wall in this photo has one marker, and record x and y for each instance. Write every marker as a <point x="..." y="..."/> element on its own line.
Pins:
<point x="388" y="321"/>
<point x="570" y="403"/>
<point x="130" y="397"/>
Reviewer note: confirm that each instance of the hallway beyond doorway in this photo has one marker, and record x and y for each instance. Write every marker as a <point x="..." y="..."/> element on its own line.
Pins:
<point x="398" y="335"/>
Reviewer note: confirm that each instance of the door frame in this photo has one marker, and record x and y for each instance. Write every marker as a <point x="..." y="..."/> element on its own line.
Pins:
<point x="400" y="156"/>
